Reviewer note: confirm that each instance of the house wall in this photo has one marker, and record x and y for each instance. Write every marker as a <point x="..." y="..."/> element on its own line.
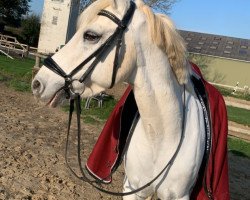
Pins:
<point x="58" y="24"/>
<point x="233" y="71"/>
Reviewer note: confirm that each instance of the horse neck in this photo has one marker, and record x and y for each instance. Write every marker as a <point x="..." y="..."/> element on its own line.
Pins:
<point x="158" y="96"/>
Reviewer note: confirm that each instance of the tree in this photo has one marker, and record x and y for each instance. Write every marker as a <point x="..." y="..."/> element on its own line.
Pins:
<point x="203" y="62"/>
<point x="85" y="3"/>
<point x="30" y="29"/>
<point x="11" y="11"/>
<point x="162" y="6"/>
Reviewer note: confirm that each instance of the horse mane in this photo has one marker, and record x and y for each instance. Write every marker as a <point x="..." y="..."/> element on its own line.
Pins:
<point x="166" y="37"/>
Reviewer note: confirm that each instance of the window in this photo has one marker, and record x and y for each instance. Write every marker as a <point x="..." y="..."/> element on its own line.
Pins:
<point x="54" y="20"/>
<point x="198" y="48"/>
<point x="217" y="38"/>
<point x="244" y="43"/>
<point x="243" y="47"/>
<point x="213" y="47"/>
<point x="243" y="52"/>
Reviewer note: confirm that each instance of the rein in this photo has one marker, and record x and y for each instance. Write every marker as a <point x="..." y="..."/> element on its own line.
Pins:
<point x="75" y="99"/>
<point x="75" y="103"/>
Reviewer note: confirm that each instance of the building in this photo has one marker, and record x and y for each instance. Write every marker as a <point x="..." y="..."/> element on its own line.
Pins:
<point x="58" y="24"/>
<point x="229" y="56"/>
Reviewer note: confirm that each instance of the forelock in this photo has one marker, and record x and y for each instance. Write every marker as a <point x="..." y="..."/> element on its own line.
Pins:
<point x="91" y="12"/>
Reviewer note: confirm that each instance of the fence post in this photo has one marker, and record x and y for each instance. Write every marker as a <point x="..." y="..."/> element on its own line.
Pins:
<point x="36" y="68"/>
<point x="27" y="51"/>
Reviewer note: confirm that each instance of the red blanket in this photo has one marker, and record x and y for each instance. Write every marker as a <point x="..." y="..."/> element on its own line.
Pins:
<point x="212" y="182"/>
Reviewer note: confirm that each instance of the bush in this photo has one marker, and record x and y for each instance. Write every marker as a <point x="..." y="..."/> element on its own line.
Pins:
<point x="31" y="29"/>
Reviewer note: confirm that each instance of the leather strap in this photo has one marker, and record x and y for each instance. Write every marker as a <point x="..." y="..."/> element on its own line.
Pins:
<point x="53" y="66"/>
<point x="95" y="183"/>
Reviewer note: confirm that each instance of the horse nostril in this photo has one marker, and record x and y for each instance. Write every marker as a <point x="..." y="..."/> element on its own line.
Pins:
<point x="36" y="84"/>
<point x="37" y="87"/>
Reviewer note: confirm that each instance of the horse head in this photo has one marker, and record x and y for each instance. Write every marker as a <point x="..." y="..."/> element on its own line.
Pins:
<point x="94" y="59"/>
<point x="93" y="32"/>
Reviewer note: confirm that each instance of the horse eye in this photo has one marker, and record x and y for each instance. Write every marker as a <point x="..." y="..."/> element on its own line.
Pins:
<point x="91" y="36"/>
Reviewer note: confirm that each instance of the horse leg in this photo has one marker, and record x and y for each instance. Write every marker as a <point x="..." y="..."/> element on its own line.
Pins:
<point x="184" y="198"/>
<point x="128" y="188"/>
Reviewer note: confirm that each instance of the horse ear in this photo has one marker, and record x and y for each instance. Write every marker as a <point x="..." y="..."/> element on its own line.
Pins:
<point x="121" y="5"/>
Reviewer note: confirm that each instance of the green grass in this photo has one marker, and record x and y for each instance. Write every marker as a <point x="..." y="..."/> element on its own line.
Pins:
<point x="95" y="114"/>
<point x="239" y="115"/>
<point x="228" y="92"/>
<point x="20" y="85"/>
<point x="16" y="73"/>
<point x="90" y="120"/>
<point x="17" y="67"/>
<point x="239" y="147"/>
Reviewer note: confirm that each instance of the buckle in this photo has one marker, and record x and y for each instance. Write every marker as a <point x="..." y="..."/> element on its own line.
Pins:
<point x="68" y="81"/>
<point x="122" y="25"/>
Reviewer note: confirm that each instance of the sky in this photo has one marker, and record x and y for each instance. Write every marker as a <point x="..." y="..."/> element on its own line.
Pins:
<point x="220" y="17"/>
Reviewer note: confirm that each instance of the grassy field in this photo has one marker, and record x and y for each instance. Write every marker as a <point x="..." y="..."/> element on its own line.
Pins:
<point x="16" y="73"/>
<point x="94" y="114"/>
<point x="99" y="114"/>
<point x="239" y="147"/>
<point x="239" y="115"/>
<point x="228" y="92"/>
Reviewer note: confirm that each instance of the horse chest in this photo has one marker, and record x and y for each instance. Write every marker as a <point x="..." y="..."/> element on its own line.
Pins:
<point x="147" y="152"/>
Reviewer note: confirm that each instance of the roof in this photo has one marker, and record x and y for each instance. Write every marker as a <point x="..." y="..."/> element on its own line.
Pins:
<point x="217" y="45"/>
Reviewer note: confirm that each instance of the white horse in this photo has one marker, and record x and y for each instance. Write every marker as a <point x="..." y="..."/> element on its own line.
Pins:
<point x="152" y="60"/>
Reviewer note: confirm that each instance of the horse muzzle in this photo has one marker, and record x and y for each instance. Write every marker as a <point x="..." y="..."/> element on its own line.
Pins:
<point x="56" y="95"/>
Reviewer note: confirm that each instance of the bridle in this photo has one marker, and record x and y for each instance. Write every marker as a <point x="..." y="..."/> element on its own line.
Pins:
<point x="97" y="54"/>
<point x="75" y="99"/>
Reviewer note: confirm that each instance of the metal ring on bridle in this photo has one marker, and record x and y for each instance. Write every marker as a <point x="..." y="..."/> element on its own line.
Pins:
<point x="74" y="92"/>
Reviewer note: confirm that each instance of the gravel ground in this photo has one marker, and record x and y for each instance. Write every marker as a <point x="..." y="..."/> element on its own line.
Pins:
<point x="32" y="165"/>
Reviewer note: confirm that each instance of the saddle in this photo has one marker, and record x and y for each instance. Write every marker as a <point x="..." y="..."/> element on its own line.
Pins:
<point x="212" y="182"/>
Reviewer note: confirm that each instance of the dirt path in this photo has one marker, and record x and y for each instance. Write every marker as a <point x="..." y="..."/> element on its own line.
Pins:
<point x="32" y="165"/>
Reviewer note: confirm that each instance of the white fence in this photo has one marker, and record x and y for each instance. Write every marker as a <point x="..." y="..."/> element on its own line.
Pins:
<point x="9" y="43"/>
<point x="236" y="88"/>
